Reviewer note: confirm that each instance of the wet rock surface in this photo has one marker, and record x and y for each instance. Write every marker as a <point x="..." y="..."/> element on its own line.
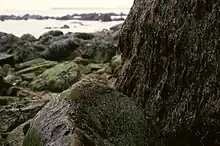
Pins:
<point x="34" y="71"/>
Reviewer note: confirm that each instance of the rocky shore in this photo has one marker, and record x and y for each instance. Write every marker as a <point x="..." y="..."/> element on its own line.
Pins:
<point x="34" y="71"/>
<point x="158" y="85"/>
<point x="85" y="16"/>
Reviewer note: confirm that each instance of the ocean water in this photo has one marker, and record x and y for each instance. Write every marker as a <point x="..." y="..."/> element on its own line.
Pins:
<point x="37" y="27"/>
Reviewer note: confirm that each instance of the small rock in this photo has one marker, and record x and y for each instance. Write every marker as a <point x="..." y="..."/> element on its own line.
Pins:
<point x="12" y="79"/>
<point x="65" y="27"/>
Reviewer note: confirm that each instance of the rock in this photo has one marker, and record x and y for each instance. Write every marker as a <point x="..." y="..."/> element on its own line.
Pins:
<point x="116" y="27"/>
<point x="20" y="113"/>
<point x="79" y="23"/>
<point x="118" y="19"/>
<point x="61" y="49"/>
<point x="5" y="100"/>
<point x="95" y="67"/>
<point x="82" y="61"/>
<point x="27" y="51"/>
<point x="116" y="61"/>
<point x="6" y="59"/>
<point x="12" y="79"/>
<point x="89" y="113"/>
<point x="116" y="65"/>
<point x="7" y="69"/>
<point x="105" y="17"/>
<point x="65" y="27"/>
<point x="4" y="86"/>
<point x="2" y="72"/>
<point x="8" y="42"/>
<point x="31" y="63"/>
<point x="48" y="27"/>
<point x="170" y="52"/>
<point x="99" y="50"/>
<point x="28" y="37"/>
<point x="16" y="136"/>
<point x="28" y="76"/>
<point x="54" y="33"/>
<point x="58" y="78"/>
<point x="30" y="69"/>
<point x="90" y="16"/>
<point x="105" y="69"/>
<point x="84" y="36"/>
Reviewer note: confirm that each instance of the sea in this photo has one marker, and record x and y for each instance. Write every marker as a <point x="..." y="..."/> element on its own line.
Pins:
<point x="37" y="27"/>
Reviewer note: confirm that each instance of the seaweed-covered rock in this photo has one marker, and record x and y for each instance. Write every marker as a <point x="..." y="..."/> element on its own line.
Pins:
<point x="28" y="51"/>
<point x="99" y="50"/>
<point x="58" y="78"/>
<point x="28" y="38"/>
<point x="89" y="113"/>
<point x="61" y="49"/>
<point x="54" y="33"/>
<point x="7" y="42"/>
<point x="29" y="70"/>
<point x="170" y="52"/>
<point x="84" y="36"/>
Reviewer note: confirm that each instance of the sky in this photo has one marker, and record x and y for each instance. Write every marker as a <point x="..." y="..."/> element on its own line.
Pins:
<point x="46" y="4"/>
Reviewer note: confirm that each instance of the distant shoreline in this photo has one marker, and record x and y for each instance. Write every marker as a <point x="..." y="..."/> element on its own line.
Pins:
<point x="83" y="16"/>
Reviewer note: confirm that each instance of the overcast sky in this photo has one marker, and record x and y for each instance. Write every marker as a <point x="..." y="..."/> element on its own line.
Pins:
<point x="45" y="4"/>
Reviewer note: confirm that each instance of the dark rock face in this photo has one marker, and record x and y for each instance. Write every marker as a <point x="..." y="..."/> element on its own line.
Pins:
<point x="6" y="59"/>
<point x="171" y="68"/>
<point x="4" y="86"/>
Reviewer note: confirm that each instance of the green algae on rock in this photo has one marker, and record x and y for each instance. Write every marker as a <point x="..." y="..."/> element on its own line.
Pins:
<point x="58" y="78"/>
<point x="92" y="110"/>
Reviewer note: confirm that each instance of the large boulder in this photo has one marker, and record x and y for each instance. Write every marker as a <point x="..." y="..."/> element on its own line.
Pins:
<point x="99" y="50"/>
<point x="61" y="49"/>
<point x="170" y="51"/>
<point x="58" y="78"/>
<point x="7" y="42"/>
<point x="89" y="113"/>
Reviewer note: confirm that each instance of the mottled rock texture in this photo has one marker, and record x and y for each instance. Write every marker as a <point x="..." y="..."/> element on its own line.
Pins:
<point x="89" y="113"/>
<point x="171" y="56"/>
